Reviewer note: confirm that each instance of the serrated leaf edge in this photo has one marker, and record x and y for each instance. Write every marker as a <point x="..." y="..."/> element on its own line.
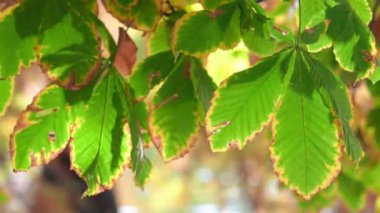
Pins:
<point x="334" y="171"/>
<point x="36" y="159"/>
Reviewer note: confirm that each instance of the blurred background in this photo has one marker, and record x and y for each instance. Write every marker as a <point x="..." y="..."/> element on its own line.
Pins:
<point x="235" y="181"/>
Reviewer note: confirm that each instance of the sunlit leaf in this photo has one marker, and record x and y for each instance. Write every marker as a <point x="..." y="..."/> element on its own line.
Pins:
<point x="6" y="91"/>
<point x="337" y="98"/>
<point x="305" y="151"/>
<point x="174" y="118"/>
<point x="140" y="164"/>
<point x="316" y="38"/>
<point x="69" y="51"/>
<point x="354" y="44"/>
<point x="58" y="33"/>
<point x="204" y="87"/>
<point x="256" y="30"/>
<point x="245" y="103"/>
<point x="159" y="40"/>
<point x="153" y="70"/>
<point x="101" y="138"/>
<point x="140" y="14"/>
<point x="42" y="130"/>
<point x="19" y="47"/>
<point x="312" y="12"/>
<point x="204" y="31"/>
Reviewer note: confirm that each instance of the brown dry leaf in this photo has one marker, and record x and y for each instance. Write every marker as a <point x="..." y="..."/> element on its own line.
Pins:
<point x="125" y="57"/>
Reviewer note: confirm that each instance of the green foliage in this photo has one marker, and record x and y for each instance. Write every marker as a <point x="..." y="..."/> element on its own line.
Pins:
<point x="6" y="87"/>
<point x="42" y="130"/>
<point x="107" y="119"/>
<point x="204" y="31"/>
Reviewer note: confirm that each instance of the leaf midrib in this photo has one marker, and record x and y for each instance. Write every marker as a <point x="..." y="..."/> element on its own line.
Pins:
<point x="101" y="135"/>
<point x="304" y="126"/>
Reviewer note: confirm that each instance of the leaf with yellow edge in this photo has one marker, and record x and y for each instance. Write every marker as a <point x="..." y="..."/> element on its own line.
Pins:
<point x="101" y="139"/>
<point x="245" y="103"/>
<point x="42" y="131"/>
<point x="174" y="117"/>
<point x="203" y="32"/>
<point x="305" y="151"/>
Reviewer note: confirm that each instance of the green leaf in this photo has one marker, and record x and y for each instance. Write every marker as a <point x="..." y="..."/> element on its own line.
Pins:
<point x="6" y="88"/>
<point x="151" y="72"/>
<point x="352" y="191"/>
<point x="316" y="38"/>
<point x="305" y="151"/>
<point x="370" y="177"/>
<point x="139" y="14"/>
<point x="69" y="50"/>
<point x="256" y="30"/>
<point x="203" y="85"/>
<point x="245" y="103"/>
<point x="145" y="14"/>
<point x="337" y="98"/>
<point x="159" y="40"/>
<point x="142" y="168"/>
<point x="59" y="33"/>
<point x="354" y="44"/>
<point x="211" y="4"/>
<point x="101" y="138"/>
<point x="140" y="164"/>
<point x="119" y="8"/>
<point x="42" y="131"/>
<point x="373" y="122"/>
<point x="375" y="77"/>
<point x="91" y="5"/>
<point x="324" y="198"/>
<point x="203" y="32"/>
<point x="174" y="118"/>
<point x="361" y="9"/>
<point x="19" y="47"/>
<point x="141" y="114"/>
<point x="312" y="12"/>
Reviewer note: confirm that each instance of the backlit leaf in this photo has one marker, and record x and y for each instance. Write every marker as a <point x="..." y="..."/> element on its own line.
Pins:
<point x="150" y="72"/>
<point x="19" y="47"/>
<point x="140" y="14"/>
<point x="337" y="98"/>
<point x="119" y="8"/>
<point x="70" y="49"/>
<point x="305" y="151"/>
<point x="316" y="38"/>
<point x="145" y="14"/>
<point x="59" y="33"/>
<point x="204" y="87"/>
<point x="354" y="44"/>
<point x="312" y="12"/>
<point x="256" y="30"/>
<point x="101" y="139"/>
<point x="6" y="91"/>
<point x="203" y="32"/>
<point x="174" y="118"/>
<point x="245" y="103"/>
<point x="42" y="130"/>
<point x="159" y="40"/>
<point x="140" y="164"/>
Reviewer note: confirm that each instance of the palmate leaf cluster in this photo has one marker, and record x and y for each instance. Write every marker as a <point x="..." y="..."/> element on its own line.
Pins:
<point x="106" y="110"/>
